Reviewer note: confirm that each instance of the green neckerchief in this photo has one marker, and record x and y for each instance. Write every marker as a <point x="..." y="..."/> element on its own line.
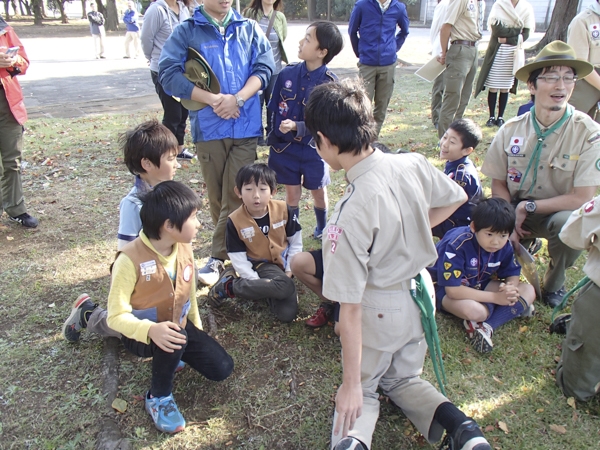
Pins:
<point x="220" y="25"/>
<point x="537" y="151"/>
<point x="418" y="292"/>
<point x="558" y="308"/>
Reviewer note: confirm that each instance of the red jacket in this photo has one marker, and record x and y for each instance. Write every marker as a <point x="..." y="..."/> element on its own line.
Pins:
<point x="12" y="89"/>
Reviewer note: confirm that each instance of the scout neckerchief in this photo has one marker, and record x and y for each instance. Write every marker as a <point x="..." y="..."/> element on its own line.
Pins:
<point x="220" y="25"/>
<point x="563" y="303"/>
<point x="537" y="151"/>
<point x="418" y="292"/>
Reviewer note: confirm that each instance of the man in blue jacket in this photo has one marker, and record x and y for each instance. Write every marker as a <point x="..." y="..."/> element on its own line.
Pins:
<point x="226" y="130"/>
<point x="375" y="41"/>
<point x="130" y="18"/>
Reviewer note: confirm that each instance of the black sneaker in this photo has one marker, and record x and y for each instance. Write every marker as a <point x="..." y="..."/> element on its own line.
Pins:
<point x="559" y="325"/>
<point x="186" y="154"/>
<point x="26" y="220"/>
<point x="349" y="443"/>
<point x="491" y="122"/>
<point x="219" y="291"/>
<point x="473" y="438"/>
<point x="77" y="321"/>
<point x="553" y="299"/>
<point x="211" y="272"/>
<point x="535" y="246"/>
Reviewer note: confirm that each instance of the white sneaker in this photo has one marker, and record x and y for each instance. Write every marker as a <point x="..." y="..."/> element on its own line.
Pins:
<point x="480" y="335"/>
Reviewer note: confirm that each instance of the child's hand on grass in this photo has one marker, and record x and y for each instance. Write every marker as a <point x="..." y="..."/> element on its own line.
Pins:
<point x="166" y="335"/>
<point x="287" y="125"/>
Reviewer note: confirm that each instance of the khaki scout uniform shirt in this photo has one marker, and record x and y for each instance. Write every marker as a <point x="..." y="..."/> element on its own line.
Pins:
<point x="584" y="36"/>
<point x="570" y="157"/>
<point x="463" y="16"/>
<point x="379" y="235"/>
<point x="582" y="232"/>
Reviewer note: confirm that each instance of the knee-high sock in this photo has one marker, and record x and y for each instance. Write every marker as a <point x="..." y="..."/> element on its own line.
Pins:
<point x="492" y="96"/>
<point x="321" y="215"/>
<point x="502" y="103"/>
<point x="503" y="314"/>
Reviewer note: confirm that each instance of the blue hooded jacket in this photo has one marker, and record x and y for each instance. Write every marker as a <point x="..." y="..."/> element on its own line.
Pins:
<point x="379" y="39"/>
<point x="234" y="57"/>
<point x="130" y="19"/>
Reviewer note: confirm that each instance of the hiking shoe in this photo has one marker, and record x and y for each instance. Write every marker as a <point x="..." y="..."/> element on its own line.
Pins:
<point x="321" y="317"/>
<point x="186" y="154"/>
<point x="165" y="414"/>
<point x="559" y="325"/>
<point x="499" y="122"/>
<point x="535" y="246"/>
<point x="222" y="288"/>
<point x="210" y="273"/>
<point x="26" y="220"/>
<point x="77" y="321"/>
<point x="491" y="122"/>
<point x="553" y="299"/>
<point x="480" y="335"/>
<point x="318" y="234"/>
<point x="349" y="443"/>
<point x="467" y="436"/>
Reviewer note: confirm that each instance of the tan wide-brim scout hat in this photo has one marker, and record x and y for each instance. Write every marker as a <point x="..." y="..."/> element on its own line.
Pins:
<point x="199" y="72"/>
<point x="556" y="53"/>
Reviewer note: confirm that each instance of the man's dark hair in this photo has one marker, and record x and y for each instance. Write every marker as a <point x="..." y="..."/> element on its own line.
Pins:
<point x="329" y="37"/>
<point x="469" y="132"/>
<point x="494" y="213"/>
<point x="342" y="112"/>
<point x="148" y="140"/>
<point x="537" y="72"/>
<point x="169" y="200"/>
<point x="256" y="173"/>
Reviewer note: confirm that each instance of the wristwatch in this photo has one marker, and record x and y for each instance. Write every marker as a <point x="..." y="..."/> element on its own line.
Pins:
<point x="530" y="206"/>
<point x="240" y="101"/>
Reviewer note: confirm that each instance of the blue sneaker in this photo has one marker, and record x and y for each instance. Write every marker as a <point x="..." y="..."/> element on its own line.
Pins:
<point x="165" y="414"/>
<point x="180" y="367"/>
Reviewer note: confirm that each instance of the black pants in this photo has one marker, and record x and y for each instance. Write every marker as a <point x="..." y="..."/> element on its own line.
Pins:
<point x="201" y="352"/>
<point x="174" y="114"/>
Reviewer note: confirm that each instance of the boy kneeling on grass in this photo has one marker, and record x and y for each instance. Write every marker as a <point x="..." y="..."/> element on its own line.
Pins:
<point x="468" y="260"/>
<point x="152" y="300"/>
<point x="262" y="237"/>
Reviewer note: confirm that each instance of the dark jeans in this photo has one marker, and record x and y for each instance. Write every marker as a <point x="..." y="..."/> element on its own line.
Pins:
<point x="265" y="97"/>
<point x="201" y="352"/>
<point x="174" y="114"/>
<point x="274" y="286"/>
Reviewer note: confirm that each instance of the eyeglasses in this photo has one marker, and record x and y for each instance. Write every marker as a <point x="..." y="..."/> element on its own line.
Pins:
<point x="553" y="79"/>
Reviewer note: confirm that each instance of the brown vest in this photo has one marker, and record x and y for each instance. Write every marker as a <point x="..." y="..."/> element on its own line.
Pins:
<point x="154" y="296"/>
<point x="258" y="246"/>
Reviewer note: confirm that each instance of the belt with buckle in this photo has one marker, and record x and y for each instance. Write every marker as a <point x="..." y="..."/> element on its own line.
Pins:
<point x="467" y="43"/>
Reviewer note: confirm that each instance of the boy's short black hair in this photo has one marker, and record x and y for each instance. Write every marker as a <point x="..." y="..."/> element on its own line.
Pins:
<point x="469" y="132"/>
<point x="329" y="37"/>
<point x="494" y="213"/>
<point x="169" y="200"/>
<point x="255" y="173"/>
<point x="148" y="140"/>
<point x="342" y="112"/>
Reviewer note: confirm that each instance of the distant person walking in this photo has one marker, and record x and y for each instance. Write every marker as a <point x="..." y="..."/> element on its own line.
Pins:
<point x="437" y="90"/>
<point x="132" y="36"/>
<point x="97" y="29"/>
<point x="378" y="29"/>
<point x="511" y="22"/>
<point x="161" y="18"/>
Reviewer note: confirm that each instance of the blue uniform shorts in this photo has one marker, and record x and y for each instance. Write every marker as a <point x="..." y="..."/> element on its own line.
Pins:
<point x="299" y="164"/>
<point x="440" y="292"/>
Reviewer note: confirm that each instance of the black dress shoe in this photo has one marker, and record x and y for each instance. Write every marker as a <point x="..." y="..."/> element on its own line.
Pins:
<point x="499" y="122"/>
<point x="491" y="122"/>
<point x="559" y="326"/>
<point x="553" y="299"/>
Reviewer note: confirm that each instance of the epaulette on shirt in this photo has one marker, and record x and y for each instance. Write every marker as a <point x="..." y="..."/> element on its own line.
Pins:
<point x="461" y="239"/>
<point x="331" y="75"/>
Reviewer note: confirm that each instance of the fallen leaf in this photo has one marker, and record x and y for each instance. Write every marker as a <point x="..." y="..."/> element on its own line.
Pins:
<point x="10" y="238"/>
<point x="571" y="402"/>
<point x="51" y="305"/>
<point x="194" y="181"/>
<point x="229" y="443"/>
<point x="540" y="410"/>
<point x="489" y="428"/>
<point x="120" y="405"/>
<point x="558" y="428"/>
<point x="523" y="329"/>
<point x="497" y="380"/>
<point x="503" y="426"/>
<point x="465" y="361"/>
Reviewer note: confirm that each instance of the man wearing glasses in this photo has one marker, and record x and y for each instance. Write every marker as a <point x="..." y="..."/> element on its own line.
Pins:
<point x="547" y="162"/>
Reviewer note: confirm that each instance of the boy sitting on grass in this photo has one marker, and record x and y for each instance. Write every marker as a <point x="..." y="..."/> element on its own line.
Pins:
<point x="457" y="143"/>
<point x="262" y="237"/>
<point x="152" y="300"/>
<point x="150" y="153"/>
<point x="469" y="258"/>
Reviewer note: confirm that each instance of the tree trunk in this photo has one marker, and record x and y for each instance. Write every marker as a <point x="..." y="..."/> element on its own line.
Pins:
<point x="83" y="9"/>
<point x="14" y="5"/>
<point x="21" y="7"/>
<point x="43" y="6"/>
<point x="6" y="14"/>
<point x="112" y="17"/>
<point x="101" y="7"/>
<point x="61" y="8"/>
<point x="564" y="11"/>
<point x="37" y="11"/>
<point x="27" y="6"/>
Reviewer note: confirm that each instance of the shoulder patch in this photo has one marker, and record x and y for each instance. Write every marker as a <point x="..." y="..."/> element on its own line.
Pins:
<point x="598" y="164"/>
<point x="447" y="275"/>
<point x="594" y="137"/>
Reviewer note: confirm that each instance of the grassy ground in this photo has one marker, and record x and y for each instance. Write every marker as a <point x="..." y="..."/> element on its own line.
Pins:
<point x="280" y="395"/>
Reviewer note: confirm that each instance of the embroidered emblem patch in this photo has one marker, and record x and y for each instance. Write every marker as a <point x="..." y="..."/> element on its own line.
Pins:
<point x="288" y="84"/>
<point x="447" y="265"/>
<point x="283" y="109"/>
<point x="588" y="207"/>
<point x="514" y="175"/>
<point x="473" y="262"/>
<point x="450" y="255"/>
<point x="457" y="273"/>
<point x="598" y="164"/>
<point x="494" y="264"/>
<point x="595" y="30"/>
<point x="447" y="275"/>
<point x="187" y="273"/>
<point x="333" y="234"/>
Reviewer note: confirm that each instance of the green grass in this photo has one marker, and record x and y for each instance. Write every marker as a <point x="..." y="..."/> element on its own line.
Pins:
<point x="281" y="393"/>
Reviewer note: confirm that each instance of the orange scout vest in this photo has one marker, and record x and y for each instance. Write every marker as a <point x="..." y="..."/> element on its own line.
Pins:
<point x="155" y="297"/>
<point x="258" y="246"/>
